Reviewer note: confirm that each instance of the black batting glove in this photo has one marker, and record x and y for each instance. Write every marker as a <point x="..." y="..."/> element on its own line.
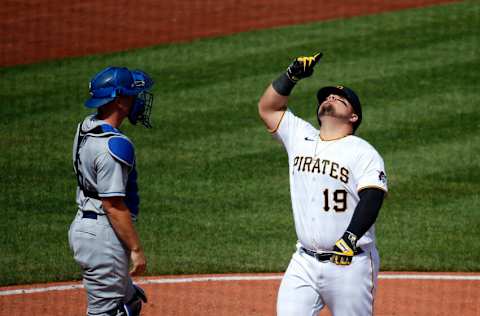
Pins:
<point x="344" y="249"/>
<point x="302" y="67"/>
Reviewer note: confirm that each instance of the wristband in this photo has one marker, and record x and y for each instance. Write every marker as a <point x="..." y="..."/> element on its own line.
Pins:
<point x="283" y="85"/>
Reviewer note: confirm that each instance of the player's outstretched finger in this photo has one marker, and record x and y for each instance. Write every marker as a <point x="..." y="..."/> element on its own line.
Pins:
<point x="317" y="57"/>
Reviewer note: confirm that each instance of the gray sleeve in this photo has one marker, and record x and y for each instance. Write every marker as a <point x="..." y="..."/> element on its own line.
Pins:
<point x="112" y="176"/>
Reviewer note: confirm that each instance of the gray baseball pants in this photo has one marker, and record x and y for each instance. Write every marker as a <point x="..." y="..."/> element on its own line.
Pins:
<point x="104" y="262"/>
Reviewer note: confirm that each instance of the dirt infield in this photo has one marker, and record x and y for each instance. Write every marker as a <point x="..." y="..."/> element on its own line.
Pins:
<point x="38" y="30"/>
<point x="248" y="295"/>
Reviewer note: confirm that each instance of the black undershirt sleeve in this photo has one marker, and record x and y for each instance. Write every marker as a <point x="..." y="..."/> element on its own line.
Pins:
<point x="366" y="212"/>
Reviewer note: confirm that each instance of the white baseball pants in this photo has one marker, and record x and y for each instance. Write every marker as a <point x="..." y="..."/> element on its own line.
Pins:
<point x="308" y="285"/>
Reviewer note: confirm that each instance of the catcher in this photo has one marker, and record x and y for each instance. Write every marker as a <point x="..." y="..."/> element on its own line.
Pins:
<point x="102" y="236"/>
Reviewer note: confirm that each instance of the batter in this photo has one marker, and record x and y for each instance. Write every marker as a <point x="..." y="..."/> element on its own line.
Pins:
<point x="337" y="186"/>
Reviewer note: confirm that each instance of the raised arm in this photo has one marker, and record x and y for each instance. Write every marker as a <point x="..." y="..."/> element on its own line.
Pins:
<point x="273" y="102"/>
<point x="271" y="107"/>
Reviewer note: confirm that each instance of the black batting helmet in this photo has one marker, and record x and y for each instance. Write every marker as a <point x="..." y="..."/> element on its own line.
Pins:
<point x="345" y="92"/>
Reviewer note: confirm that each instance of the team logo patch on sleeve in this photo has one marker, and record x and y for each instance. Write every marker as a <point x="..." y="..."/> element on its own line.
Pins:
<point x="382" y="176"/>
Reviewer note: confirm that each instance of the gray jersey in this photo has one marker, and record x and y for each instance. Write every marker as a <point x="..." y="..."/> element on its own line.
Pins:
<point x="100" y="170"/>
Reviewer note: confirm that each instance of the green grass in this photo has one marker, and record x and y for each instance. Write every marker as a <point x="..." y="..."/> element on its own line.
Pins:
<point x="214" y="185"/>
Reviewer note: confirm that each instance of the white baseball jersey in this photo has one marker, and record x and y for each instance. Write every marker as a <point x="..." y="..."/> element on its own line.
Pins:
<point x="325" y="178"/>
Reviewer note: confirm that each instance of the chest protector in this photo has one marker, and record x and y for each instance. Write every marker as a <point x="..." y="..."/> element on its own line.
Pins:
<point x="122" y="150"/>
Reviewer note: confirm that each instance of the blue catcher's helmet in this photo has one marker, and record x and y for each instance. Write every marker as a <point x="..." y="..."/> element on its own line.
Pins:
<point x="116" y="81"/>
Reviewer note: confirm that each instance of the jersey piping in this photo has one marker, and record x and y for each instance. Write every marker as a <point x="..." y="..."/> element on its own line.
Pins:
<point x="278" y="124"/>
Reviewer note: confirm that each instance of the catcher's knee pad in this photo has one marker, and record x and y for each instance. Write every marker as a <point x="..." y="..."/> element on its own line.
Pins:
<point x="132" y="307"/>
<point x="127" y="310"/>
<point x="120" y="310"/>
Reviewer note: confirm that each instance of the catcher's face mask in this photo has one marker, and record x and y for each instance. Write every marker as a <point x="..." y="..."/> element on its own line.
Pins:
<point x="141" y="109"/>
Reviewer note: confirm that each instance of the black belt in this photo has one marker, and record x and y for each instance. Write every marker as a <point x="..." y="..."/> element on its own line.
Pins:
<point x="89" y="214"/>
<point x="91" y="194"/>
<point x="325" y="256"/>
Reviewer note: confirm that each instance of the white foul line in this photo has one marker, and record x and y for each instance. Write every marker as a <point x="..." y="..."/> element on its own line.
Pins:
<point x="239" y="278"/>
<point x="429" y="277"/>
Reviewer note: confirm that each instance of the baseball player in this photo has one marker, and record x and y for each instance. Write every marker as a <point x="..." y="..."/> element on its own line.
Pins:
<point x="337" y="186"/>
<point x="102" y="236"/>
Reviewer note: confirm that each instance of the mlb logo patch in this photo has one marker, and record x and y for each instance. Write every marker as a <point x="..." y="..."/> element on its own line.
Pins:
<point x="382" y="176"/>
